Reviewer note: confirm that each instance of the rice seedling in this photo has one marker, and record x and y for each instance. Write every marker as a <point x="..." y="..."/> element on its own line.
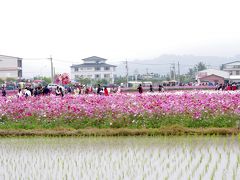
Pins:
<point x="119" y="157"/>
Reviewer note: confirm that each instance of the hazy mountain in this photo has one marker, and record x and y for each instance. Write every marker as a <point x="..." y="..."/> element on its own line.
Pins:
<point x="162" y="64"/>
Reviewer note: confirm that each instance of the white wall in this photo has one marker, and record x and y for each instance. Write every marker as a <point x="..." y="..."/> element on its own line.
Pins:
<point x="8" y="67"/>
<point x="86" y="73"/>
<point x="6" y="62"/>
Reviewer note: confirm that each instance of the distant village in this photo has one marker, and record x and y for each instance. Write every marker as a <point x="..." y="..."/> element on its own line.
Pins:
<point x="95" y="70"/>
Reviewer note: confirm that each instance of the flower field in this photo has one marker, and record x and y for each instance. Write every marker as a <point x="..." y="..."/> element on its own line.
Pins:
<point x="187" y="108"/>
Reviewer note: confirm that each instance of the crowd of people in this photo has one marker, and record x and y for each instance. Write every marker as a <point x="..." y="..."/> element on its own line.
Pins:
<point x="99" y="89"/>
<point x="140" y="88"/>
<point x="227" y="87"/>
<point x="61" y="91"/>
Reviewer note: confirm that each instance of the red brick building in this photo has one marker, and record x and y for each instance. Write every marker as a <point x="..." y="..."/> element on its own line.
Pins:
<point x="212" y="78"/>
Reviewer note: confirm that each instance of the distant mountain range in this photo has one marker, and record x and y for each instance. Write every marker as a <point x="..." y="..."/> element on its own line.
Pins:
<point x="162" y="64"/>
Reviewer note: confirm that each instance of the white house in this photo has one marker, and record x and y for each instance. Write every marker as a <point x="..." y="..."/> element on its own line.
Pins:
<point x="94" y="68"/>
<point x="10" y="67"/>
<point x="234" y="70"/>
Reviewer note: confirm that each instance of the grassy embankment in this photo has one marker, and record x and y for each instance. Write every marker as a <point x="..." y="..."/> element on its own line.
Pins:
<point x="124" y="126"/>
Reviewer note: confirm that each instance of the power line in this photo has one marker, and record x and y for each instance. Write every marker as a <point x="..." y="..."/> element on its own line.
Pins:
<point x="148" y="64"/>
<point x="34" y="59"/>
<point x="52" y="75"/>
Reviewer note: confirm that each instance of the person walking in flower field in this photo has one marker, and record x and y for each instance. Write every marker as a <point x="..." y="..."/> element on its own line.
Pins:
<point x="20" y="93"/>
<point x="61" y="91"/>
<point x="57" y="91"/>
<point x="160" y="88"/>
<point x="27" y="92"/>
<point x="99" y="89"/>
<point x="106" y="91"/>
<point x="4" y="93"/>
<point x="140" y="89"/>
<point x="151" y="88"/>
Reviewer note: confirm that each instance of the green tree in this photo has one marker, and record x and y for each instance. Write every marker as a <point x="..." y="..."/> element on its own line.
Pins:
<point x="200" y="66"/>
<point x="10" y="79"/>
<point x="192" y="71"/>
<point x="48" y="80"/>
<point x="168" y="77"/>
<point x="1" y="81"/>
<point x="83" y="80"/>
<point x="119" y="80"/>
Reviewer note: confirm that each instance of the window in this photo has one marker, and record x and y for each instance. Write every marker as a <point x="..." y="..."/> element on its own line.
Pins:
<point x="19" y="73"/>
<point x="97" y="75"/>
<point x="236" y="66"/>
<point x="237" y="72"/>
<point x="106" y="75"/>
<point x="19" y="63"/>
<point x="97" y="68"/>
<point x="89" y="68"/>
<point x="75" y="69"/>
<point x="89" y="76"/>
<point x="106" y="68"/>
<point x="230" y="72"/>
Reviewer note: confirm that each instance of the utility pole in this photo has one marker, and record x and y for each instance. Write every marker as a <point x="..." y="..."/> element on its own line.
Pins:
<point x="178" y="72"/>
<point x="51" y="60"/>
<point x="173" y="71"/>
<point x="127" y="72"/>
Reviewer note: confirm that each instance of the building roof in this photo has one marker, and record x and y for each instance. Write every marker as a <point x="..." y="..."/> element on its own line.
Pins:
<point x="92" y="65"/>
<point x="216" y="72"/>
<point x="94" y="58"/>
<point x="10" y="56"/>
<point x="93" y="61"/>
<point x="233" y="63"/>
<point x="210" y="76"/>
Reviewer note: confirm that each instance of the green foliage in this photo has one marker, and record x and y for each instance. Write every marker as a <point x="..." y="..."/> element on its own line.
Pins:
<point x="122" y="122"/>
<point x="48" y="80"/>
<point x="198" y="67"/>
<point x="1" y="81"/>
<point x="101" y="81"/>
<point x="84" y="80"/>
<point x="10" y="79"/>
<point x="119" y="80"/>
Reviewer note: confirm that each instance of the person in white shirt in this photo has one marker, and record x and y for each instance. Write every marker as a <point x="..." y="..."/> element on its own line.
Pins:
<point x="19" y="94"/>
<point x="27" y="92"/>
<point x="58" y="92"/>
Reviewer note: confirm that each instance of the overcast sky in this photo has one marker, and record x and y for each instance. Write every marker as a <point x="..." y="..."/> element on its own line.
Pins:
<point x="71" y="30"/>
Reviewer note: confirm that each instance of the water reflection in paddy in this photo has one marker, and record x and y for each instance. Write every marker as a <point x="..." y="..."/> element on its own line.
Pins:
<point x="120" y="158"/>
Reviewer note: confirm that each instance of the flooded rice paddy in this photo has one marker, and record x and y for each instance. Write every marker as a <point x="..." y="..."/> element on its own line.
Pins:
<point x="120" y="158"/>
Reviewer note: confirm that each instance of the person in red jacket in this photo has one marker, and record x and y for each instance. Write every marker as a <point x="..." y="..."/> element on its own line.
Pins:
<point x="234" y="87"/>
<point x="106" y="91"/>
<point x="228" y="88"/>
